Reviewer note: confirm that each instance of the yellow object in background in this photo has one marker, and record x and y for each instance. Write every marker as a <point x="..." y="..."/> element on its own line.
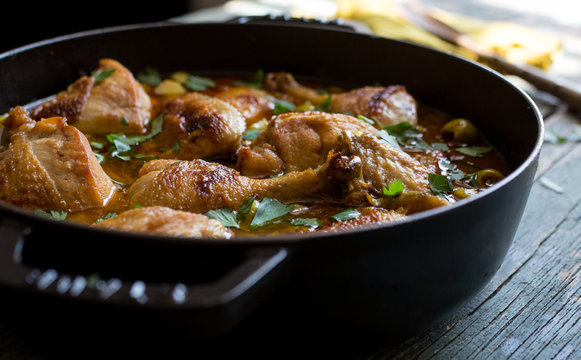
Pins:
<point x="516" y="43"/>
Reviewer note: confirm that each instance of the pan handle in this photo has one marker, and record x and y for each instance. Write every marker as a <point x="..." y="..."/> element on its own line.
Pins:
<point x="258" y="272"/>
<point x="286" y="19"/>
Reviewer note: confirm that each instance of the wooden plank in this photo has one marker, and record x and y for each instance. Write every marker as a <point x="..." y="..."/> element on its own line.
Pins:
<point x="566" y="126"/>
<point x="527" y="302"/>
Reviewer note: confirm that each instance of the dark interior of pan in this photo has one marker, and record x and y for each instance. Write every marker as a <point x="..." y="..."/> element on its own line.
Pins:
<point x="392" y="278"/>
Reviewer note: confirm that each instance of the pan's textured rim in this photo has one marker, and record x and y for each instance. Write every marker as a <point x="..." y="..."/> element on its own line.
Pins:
<point x="279" y="239"/>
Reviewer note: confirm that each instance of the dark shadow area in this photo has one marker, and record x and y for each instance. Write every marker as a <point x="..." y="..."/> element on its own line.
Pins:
<point x="26" y="22"/>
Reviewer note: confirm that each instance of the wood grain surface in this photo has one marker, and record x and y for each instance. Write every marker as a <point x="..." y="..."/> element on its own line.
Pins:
<point x="531" y="309"/>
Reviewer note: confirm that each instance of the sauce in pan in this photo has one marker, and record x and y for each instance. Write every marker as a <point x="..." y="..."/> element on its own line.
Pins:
<point x="293" y="157"/>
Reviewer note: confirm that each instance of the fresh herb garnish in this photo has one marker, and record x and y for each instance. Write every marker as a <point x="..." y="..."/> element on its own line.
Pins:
<point x="281" y="106"/>
<point x="121" y="143"/>
<point x="124" y="121"/>
<point x="108" y="216"/>
<point x="312" y="222"/>
<point x="440" y="146"/>
<point x="100" y="75"/>
<point x="440" y="183"/>
<point x="325" y="105"/>
<point x="225" y="216"/>
<point x="407" y="135"/>
<point x="391" y="140"/>
<point x="403" y="130"/>
<point x="245" y="208"/>
<point x="97" y="145"/>
<point x="366" y="119"/>
<point x="120" y="184"/>
<point x="149" y="76"/>
<point x="53" y="214"/>
<point x="450" y="170"/>
<point x="394" y="189"/>
<point x="198" y="83"/>
<point x="176" y="147"/>
<point x="251" y="134"/>
<point x="100" y="158"/>
<point x="474" y="151"/>
<point x="256" y="82"/>
<point x="346" y="214"/>
<point x="269" y="210"/>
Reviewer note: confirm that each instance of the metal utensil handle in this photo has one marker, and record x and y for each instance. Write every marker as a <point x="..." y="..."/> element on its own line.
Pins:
<point x="254" y="271"/>
<point x="287" y="19"/>
<point x="558" y="87"/>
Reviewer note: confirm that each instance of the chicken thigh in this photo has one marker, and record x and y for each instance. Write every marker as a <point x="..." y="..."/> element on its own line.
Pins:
<point x="199" y="186"/>
<point x="113" y="102"/>
<point x="387" y="105"/>
<point x="50" y="165"/>
<point x="253" y="104"/>
<point x="380" y="165"/>
<point x="165" y="221"/>
<point x="296" y="142"/>
<point x="202" y="126"/>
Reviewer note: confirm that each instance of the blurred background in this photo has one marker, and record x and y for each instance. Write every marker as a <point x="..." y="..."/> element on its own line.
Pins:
<point x="24" y="22"/>
<point x="525" y="31"/>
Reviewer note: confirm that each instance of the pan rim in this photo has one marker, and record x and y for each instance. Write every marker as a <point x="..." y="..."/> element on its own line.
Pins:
<point x="286" y="238"/>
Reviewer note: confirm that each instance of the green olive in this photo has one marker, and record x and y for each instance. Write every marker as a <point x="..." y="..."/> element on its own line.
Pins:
<point x="462" y="130"/>
<point x="463" y="193"/>
<point x="487" y="177"/>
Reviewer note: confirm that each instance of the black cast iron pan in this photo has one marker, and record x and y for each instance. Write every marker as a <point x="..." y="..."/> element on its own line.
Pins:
<point x="392" y="278"/>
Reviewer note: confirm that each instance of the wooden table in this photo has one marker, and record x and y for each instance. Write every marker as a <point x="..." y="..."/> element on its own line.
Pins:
<point x="530" y="309"/>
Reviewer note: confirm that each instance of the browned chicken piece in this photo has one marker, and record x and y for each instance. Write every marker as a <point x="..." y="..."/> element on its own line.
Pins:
<point x="380" y="165"/>
<point x="199" y="186"/>
<point x="203" y="126"/>
<point x="253" y="104"/>
<point x="388" y="105"/>
<point x="351" y="175"/>
<point x="116" y="104"/>
<point x="369" y="216"/>
<point x="161" y="220"/>
<point x="50" y="165"/>
<point x="296" y="142"/>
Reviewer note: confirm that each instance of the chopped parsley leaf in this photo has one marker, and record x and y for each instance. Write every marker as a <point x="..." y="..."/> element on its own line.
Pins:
<point x="149" y="76"/>
<point x="281" y="106"/>
<point x="97" y="145"/>
<point x="366" y="119"/>
<point x="53" y="214"/>
<point x="312" y="222"/>
<point x="346" y="214"/>
<point x="176" y="147"/>
<point x="100" y="158"/>
<point x="250" y="134"/>
<point x="440" y="146"/>
<point x="390" y="139"/>
<point x="474" y="151"/>
<point x="245" y="208"/>
<point x="256" y="82"/>
<point x="108" y="216"/>
<point x="325" y="105"/>
<point x="121" y="143"/>
<point x="225" y="216"/>
<point x="394" y="189"/>
<point x="440" y="183"/>
<point x="198" y="83"/>
<point x="100" y="75"/>
<point x="269" y="210"/>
